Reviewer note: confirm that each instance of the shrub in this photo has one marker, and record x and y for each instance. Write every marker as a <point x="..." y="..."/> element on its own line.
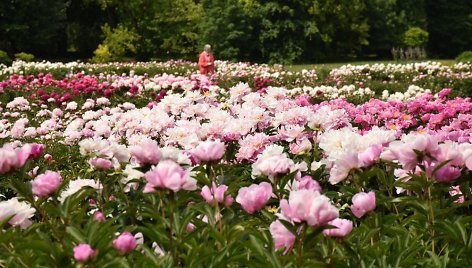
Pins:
<point x="4" y="58"/>
<point x="119" y="43"/>
<point x="24" y="56"/>
<point x="415" y="37"/>
<point x="465" y="56"/>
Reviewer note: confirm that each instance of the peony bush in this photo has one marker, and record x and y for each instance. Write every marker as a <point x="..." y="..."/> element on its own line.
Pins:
<point x="256" y="166"/>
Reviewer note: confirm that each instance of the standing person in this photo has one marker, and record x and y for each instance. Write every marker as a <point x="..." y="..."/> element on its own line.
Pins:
<point x="206" y="61"/>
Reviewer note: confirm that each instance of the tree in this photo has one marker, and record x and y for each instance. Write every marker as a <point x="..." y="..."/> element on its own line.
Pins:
<point x="449" y="27"/>
<point x="33" y="26"/>
<point x="339" y="27"/>
<point x="230" y="27"/>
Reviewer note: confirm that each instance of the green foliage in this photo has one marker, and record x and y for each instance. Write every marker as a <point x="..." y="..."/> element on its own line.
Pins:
<point x="415" y="37"/>
<point x="230" y="28"/>
<point x="465" y="56"/>
<point x="4" y="58"/>
<point x="262" y="31"/>
<point x="449" y="25"/>
<point x="33" y="26"/>
<point x="24" y="56"/>
<point x="118" y="44"/>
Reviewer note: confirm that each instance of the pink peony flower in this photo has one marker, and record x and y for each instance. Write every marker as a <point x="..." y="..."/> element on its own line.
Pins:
<point x="147" y="152"/>
<point x="169" y="175"/>
<point x="283" y="238"/>
<point x="254" y="197"/>
<point x="99" y="216"/>
<point x="362" y="203"/>
<point x="370" y="155"/>
<point x="446" y="173"/>
<point x="307" y="182"/>
<point x="216" y="195"/>
<point x="101" y="163"/>
<point x="342" y="228"/>
<point x="309" y="206"/>
<point x="125" y="243"/>
<point x="456" y="190"/>
<point x="343" y="165"/>
<point x="208" y="151"/>
<point x="47" y="157"/>
<point x="47" y="183"/>
<point x="190" y="227"/>
<point x="272" y="162"/>
<point x="83" y="252"/>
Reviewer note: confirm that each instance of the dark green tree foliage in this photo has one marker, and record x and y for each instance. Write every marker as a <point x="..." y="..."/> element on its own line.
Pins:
<point x="282" y="31"/>
<point x="167" y="29"/>
<point x="449" y="26"/>
<point x="279" y="31"/>
<point x="339" y="28"/>
<point x="34" y="26"/>
<point x="85" y="19"/>
<point x="230" y="26"/>
<point x="389" y="20"/>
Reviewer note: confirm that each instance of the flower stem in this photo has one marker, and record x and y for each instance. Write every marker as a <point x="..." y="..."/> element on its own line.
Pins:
<point x="300" y="245"/>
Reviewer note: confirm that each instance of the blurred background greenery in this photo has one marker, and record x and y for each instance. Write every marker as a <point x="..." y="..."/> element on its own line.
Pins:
<point x="274" y="31"/>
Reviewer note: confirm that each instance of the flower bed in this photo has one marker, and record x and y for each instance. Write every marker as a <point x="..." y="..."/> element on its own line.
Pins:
<point x="109" y="169"/>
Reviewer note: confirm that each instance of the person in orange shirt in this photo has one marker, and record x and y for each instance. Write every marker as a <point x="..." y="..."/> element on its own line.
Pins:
<point x="206" y="61"/>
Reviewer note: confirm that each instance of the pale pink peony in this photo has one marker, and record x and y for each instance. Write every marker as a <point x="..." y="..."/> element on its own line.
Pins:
<point x="342" y="228"/>
<point x="101" y="163"/>
<point x="254" y="197"/>
<point x="343" y="165"/>
<point x="306" y="182"/>
<point x="147" y="152"/>
<point x="370" y="155"/>
<point x="456" y="190"/>
<point x="283" y="238"/>
<point x="207" y="151"/>
<point x="216" y="195"/>
<point x="125" y="243"/>
<point x="83" y="252"/>
<point x="309" y="206"/>
<point x="47" y="183"/>
<point x="169" y="175"/>
<point x="362" y="203"/>
<point x="21" y="212"/>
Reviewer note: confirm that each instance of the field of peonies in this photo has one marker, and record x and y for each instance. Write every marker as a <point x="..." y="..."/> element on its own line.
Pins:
<point x="152" y="165"/>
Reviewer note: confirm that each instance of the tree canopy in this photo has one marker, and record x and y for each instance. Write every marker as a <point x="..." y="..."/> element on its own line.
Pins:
<point x="276" y="31"/>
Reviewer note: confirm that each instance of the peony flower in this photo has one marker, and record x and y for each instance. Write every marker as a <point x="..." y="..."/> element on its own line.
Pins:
<point x="21" y="212"/>
<point x="99" y="216"/>
<point x="342" y="166"/>
<point x="83" y="252"/>
<point x="147" y="152"/>
<point x="254" y="197"/>
<point x="272" y="162"/>
<point x="169" y="175"/>
<point x="216" y="195"/>
<point x="100" y="163"/>
<point x="125" y="243"/>
<point x="370" y="155"/>
<point x="307" y="182"/>
<point x="342" y="228"/>
<point x="456" y="190"/>
<point x="362" y="203"/>
<point x="309" y="206"/>
<point x="207" y="151"/>
<point x="47" y="183"/>
<point x="76" y="185"/>
<point x="283" y="238"/>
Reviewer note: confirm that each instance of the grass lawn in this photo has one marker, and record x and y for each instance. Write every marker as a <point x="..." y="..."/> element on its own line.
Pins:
<point x="329" y="66"/>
